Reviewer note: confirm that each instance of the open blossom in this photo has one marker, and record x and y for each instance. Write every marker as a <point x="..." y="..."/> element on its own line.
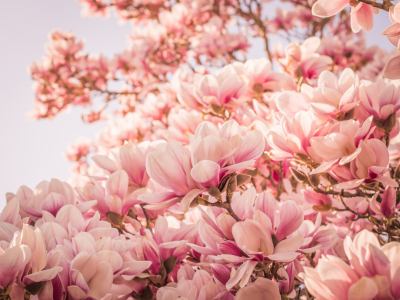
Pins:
<point x="333" y="98"/>
<point x="193" y="285"/>
<point x="370" y="273"/>
<point x="131" y="158"/>
<point x="380" y="98"/>
<point x="114" y="197"/>
<point x="361" y="13"/>
<point x="225" y="89"/>
<point x="289" y="136"/>
<point x="264" y="235"/>
<point x="340" y="145"/>
<point x="214" y="153"/>
<point x="50" y="197"/>
<point x="259" y="77"/>
<point x="302" y="61"/>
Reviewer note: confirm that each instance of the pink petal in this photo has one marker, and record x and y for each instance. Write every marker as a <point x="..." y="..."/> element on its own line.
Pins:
<point x="42" y="276"/>
<point x="261" y="289"/>
<point x="103" y="162"/>
<point x="70" y="214"/>
<point x="328" y="8"/>
<point x="135" y="267"/>
<point x="242" y="274"/>
<point x="284" y="257"/>
<point x="252" y="147"/>
<point x="289" y="245"/>
<point x="365" y="17"/>
<point x="188" y="199"/>
<point x="364" y="289"/>
<point x="348" y="185"/>
<point x="206" y="173"/>
<point x="133" y="162"/>
<point x="117" y="184"/>
<point x="392" y="69"/>
<point x="10" y="211"/>
<point x="53" y="203"/>
<point x="12" y="261"/>
<point x="291" y="217"/>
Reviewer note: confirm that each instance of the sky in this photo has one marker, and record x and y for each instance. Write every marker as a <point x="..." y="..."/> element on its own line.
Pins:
<point x="31" y="151"/>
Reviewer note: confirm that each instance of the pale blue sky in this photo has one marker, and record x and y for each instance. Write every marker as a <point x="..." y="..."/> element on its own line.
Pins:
<point x="31" y="151"/>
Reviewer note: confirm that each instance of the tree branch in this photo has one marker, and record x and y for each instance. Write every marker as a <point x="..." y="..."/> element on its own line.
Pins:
<point x="384" y="6"/>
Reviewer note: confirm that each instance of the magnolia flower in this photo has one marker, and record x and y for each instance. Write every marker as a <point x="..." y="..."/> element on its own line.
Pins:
<point x="262" y="288"/>
<point x="361" y="13"/>
<point x="387" y="207"/>
<point x="131" y="158"/>
<point x="214" y="154"/>
<point x="290" y="136"/>
<point x="370" y="273"/>
<point x="193" y="285"/>
<point x="302" y="61"/>
<point x="221" y="90"/>
<point x="50" y="197"/>
<point x="259" y="77"/>
<point x="340" y="145"/>
<point x="381" y="98"/>
<point x="333" y="97"/>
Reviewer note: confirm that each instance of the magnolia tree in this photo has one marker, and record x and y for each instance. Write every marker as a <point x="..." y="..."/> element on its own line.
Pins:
<point x="218" y="176"/>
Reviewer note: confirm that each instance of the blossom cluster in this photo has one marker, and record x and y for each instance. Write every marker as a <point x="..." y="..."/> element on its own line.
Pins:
<point x="218" y="176"/>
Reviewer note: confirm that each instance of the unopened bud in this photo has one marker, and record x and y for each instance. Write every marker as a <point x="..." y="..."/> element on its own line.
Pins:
<point x="340" y="116"/>
<point x="275" y="240"/>
<point x="114" y="218"/>
<point x="242" y="179"/>
<point x="390" y="122"/>
<point x="301" y="157"/>
<point x="397" y="173"/>
<point x="321" y="208"/>
<point x="232" y="185"/>
<point x="252" y="173"/>
<point x="314" y="179"/>
<point x="373" y="220"/>
<point x="194" y="203"/>
<point x="214" y="191"/>
<point x="258" y="89"/>
<point x="299" y="175"/>
<point x="218" y="110"/>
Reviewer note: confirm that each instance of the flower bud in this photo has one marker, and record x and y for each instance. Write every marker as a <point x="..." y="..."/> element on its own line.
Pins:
<point x="321" y="208"/>
<point x="299" y="175"/>
<point x="214" y="191"/>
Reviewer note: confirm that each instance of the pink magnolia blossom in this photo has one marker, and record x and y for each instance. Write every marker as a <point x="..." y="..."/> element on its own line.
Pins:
<point x="289" y="136"/>
<point x="361" y="13"/>
<point x="380" y="99"/>
<point x="214" y="153"/>
<point x="340" y="145"/>
<point x="369" y="274"/>
<point x="131" y="158"/>
<point x="387" y="207"/>
<point x="262" y="288"/>
<point x="221" y="90"/>
<point x="50" y="197"/>
<point x="301" y="60"/>
<point x="114" y="196"/>
<point x="193" y="285"/>
<point x="259" y="77"/>
<point x="333" y="97"/>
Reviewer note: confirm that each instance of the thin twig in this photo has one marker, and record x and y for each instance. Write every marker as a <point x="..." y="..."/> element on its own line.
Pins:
<point x="384" y="6"/>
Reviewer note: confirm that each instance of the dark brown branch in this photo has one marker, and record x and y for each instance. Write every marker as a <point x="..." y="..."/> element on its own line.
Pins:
<point x="146" y="215"/>
<point x="384" y="6"/>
